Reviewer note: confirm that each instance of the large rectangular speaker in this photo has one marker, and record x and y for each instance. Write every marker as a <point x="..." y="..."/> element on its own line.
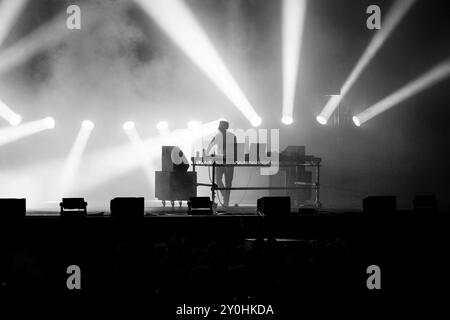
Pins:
<point x="12" y="209"/>
<point x="175" y="185"/>
<point x="274" y="206"/>
<point x="425" y="205"/>
<point x="380" y="205"/>
<point x="127" y="207"/>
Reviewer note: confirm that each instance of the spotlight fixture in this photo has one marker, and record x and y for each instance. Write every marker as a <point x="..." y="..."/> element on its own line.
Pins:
<point x="128" y="125"/>
<point x="87" y="124"/>
<point x="356" y="121"/>
<point x="287" y="120"/>
<point x="15" y="120"/>
<point x="162" y="125"/>
<point x="321" y="119"/>
<point x="49" y="123"/>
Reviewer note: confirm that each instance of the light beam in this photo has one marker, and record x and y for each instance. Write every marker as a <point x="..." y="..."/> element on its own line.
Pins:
<point x="394" y="16"/>
<point x="426" y="80"/>
<point x="10" y="134"/>
<point x="177" y="20"/>
<point x="5" y="112"/>
<point x="9" y="11"/>
<point x="294" y="12"/>
<point x="141" y="151"/>
<point x="73" y="160"/>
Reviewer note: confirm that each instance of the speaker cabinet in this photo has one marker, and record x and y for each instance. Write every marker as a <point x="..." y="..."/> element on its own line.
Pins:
<point x="175" y="186"/>
<point x="127" y="207"/>
<point x="12" y="209"/>
<point x="274" y="206"/>
<point x="380" y="205"/>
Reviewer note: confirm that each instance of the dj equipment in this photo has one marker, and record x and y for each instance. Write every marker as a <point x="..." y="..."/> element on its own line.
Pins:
<point x="298" y="174"/>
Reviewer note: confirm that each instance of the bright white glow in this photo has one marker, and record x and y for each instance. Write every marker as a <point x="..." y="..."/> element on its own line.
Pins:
<point x="162" y="125"/>
<point x="10" y="134"/>
<point x="294" y="12"/>
<point x="104" y="165"/>
<point x="50" y="34"/>
<point x="356" y="121"/>
<point x="9" y="11"/>
<point x="394" y="16"/>
<point x="194" y="125"/>
<point x="322" y="120"/>
<point x="87" y="124"/>
<point x="434" y="75"/>
<point x="6" y="113"/>
<point x="177" y="20"/>
<point x="49" y="122"/>
<point x="256" y="121"/>
<point x="73" y="160"/>
<point x="287" y="120"/>
<point x="15" y="120"/>
<point x="129" y="125"/>
<point x="143" y="154"/>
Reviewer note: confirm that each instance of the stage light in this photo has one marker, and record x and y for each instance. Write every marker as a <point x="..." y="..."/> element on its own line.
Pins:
<point x="10" y="134"/>
<point x="321" y="119"/>
<point x="87" y="124"/>
<point x="5" y="112"/>
<point x="49" y="122"/>
<point x="162" y="125"/>
<point x="129" y="125"/>
<point x="356" y="121"/>
<point x="294" y="12"/>
<point x="394" y="16"/>
<point x="176" y="19"/>
<point x="287" y="120"/>
<point x="15" y="120"/>
<point x="73" y="159"/>
<point x="9" y="11"/>
<point x="431" y="77"/>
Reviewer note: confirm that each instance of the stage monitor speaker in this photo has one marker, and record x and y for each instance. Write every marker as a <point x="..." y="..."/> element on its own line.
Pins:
<point x="274" y="206"/>
<point x="12" y="209"/>
<point x="425" y="204"/>
<point x="73" y="207"/>
<point x="380" y="205"/>
<point x="200" y="206"/>
<point x="127" y="207"/>
<point x="166" y="160"/>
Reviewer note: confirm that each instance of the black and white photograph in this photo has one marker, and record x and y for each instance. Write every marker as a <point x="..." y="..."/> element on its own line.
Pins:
<point x="225" y="159"/>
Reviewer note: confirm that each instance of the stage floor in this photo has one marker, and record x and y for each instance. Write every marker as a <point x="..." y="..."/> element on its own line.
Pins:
<point x="176" y="211"/>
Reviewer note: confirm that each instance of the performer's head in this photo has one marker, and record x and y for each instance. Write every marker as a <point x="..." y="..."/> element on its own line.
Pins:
<point x="223" y="125"/>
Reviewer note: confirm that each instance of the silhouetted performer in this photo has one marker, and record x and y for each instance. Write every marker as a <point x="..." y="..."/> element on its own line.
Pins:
<point x="226" y="148"/>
